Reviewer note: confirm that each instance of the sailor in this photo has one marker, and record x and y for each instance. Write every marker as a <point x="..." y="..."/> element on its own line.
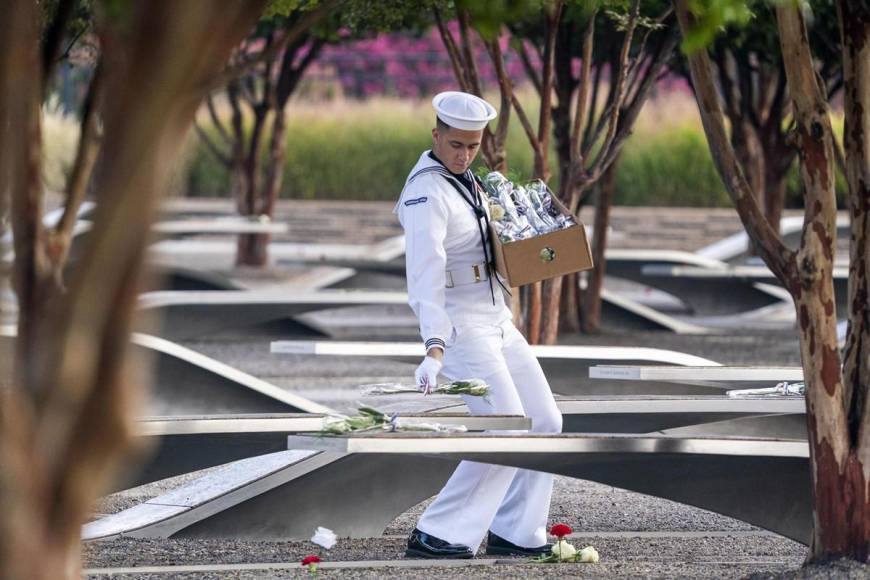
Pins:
<point x="469" y="333"/>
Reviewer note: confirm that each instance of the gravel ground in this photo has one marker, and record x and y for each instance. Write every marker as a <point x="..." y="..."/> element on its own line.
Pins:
<point x="637" y="536"/>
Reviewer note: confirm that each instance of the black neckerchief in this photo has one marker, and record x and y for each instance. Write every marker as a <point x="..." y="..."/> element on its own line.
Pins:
<point x="469" y="188"/>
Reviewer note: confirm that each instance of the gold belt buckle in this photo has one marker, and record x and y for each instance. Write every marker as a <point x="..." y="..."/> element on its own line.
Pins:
<point x="476" y="269"/>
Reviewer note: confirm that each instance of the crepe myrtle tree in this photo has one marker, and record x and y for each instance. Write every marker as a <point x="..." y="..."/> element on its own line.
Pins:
<point x="838" y="406"/>
<point x="622" y="47"/>
<point x="68" y="386"/>
<point x="265" y="70"/>
<point x="589" y="113"/>
<point x="752" y="84"/>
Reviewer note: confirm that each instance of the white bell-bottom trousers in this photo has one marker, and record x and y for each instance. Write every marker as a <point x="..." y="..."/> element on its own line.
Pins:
<point x="513" y="503"/>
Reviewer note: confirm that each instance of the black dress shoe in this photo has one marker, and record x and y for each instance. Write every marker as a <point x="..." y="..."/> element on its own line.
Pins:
<point x="422" y="545"/>
<point x="498" y="546"/>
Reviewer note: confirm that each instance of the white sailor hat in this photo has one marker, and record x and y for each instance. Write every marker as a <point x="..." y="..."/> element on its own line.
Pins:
<point x="463" y="110"/>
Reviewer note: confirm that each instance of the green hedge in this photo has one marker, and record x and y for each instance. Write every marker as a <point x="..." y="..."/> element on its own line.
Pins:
<point x="366" y="153"/>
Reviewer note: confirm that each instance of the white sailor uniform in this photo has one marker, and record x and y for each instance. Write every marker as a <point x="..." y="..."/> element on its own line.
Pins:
<point x="451" y="296"/>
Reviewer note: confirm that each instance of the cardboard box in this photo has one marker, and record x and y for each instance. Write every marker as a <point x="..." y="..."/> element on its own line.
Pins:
<point x="545" y="256"/>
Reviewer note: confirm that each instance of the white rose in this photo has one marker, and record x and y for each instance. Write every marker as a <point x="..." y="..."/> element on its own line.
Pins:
<point x="589" y="554"/>
<point x="563" y="550"/>
<point x="496" y="211"/>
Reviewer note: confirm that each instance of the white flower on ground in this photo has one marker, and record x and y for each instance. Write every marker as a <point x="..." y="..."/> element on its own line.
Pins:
<point x="324" y="537"/>
<point x="563" y="550"/>
<point x="588" y="554"/>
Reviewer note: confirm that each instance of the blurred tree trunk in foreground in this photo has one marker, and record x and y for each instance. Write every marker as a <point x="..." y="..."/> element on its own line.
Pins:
<point x="65" y="411"/>
<point x="838" y="408"/>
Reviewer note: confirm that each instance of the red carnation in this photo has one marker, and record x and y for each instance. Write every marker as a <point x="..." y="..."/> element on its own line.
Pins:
<point x="308" y="560"/>
<point x="560" y="530"/>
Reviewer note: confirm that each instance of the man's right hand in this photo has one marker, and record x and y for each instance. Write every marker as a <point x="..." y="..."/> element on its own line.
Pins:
<point x="426" y="375"/>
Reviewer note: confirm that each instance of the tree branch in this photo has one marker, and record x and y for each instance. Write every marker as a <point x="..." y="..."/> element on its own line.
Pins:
<point x="53" y="38"/>
<point x="243" y="65"/>
<point x="86" y="157"/>
<point x="467" y="53"/>
<point x="212" y="146"/>
<point x="505" y="90"/>
<point x="619" y="93"/>
<point x="216" y="120"/>
<point x="583" y="91"/>
<point x="524" y="121"/>
<point x="452" y="51"/>
<point x="526" y="60"/>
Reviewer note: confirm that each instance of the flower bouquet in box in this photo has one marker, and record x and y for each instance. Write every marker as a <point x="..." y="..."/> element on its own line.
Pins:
<point x="520" y="212"/>
<point x="534" y="237"/>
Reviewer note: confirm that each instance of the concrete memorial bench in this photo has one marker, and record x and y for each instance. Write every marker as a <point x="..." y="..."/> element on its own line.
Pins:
<point x="718" y="376"/>
<point x="566" y="367"/>
<point x="749" y="283"/>
<point x="737" y="477"/>
<point x="735" y="248"/>
<point x="357" y="485"/>
<point x="235" y="500"/>
<point x="309" y="253"/>
<point x="187" y="315"/>
<point x="181" y="445"/>
<point x="189" y="383"/>
<point x="229" y="225"/>
<point x="701" y="415"/>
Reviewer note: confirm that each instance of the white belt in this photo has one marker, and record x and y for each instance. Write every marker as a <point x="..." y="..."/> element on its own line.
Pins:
<point x="473" y="274"/>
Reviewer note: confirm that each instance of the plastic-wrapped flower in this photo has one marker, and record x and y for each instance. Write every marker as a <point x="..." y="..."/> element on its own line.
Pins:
<point x="324" y="537"/>
<point x="560" y="530"/>
<point x="563" y="550"/>
<point x="588" y="554"/>
<point x="311" y="562"/>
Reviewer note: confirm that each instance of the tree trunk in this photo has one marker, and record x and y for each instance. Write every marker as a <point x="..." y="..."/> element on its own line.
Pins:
<point x="750" y="155"/>
<point x="838" y="431"/>
<point x="533" y="313"/>
<point x="855" y="32"/>
<point x="569" y="319"/>
<point x="774" y="195"/>
<point x="252" y="250"/>
<point x="591" y="315"/>
<point x="552" y="295"/>
<point x="66" y="419"/>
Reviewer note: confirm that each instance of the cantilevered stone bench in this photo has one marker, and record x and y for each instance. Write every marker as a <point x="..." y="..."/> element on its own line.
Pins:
<point x="566" y="367"/>
<point x="618" y="311"/>
<point x="189" y="383"/>
<point x="230" y="225"/>
<point x="283" y="494"/>
<point x="196" y="314"/>
<point x="185" y="444"/>
<point x="735" y="248"/>
<point x="710" y="415"/>
<point x="287" y="251"/>
<point x="192" y="314"/>
<point x="707" y="375"/>
<point x="746" y="283"/>
<point x="357" y="485"/>
<point x="765" y="482"/>
<point x="186" y="382"/>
